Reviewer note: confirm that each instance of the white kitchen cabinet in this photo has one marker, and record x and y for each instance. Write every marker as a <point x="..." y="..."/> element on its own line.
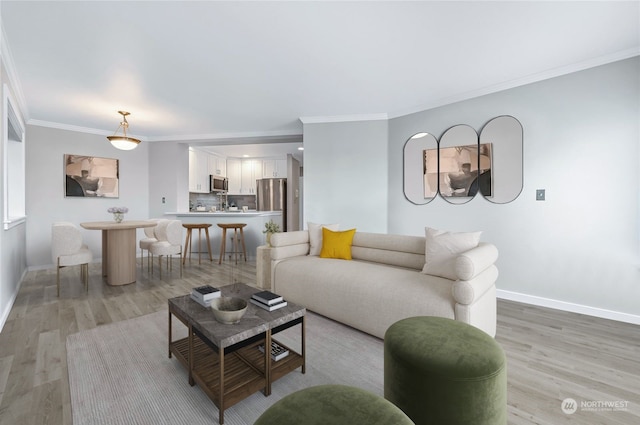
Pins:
<point x="242" y="175"/>
<point x="251" y="171"/>
<point x="257" y="174"/>
<point x="198" y="171"/>
<point x="234" y="175"/>
<point x="274" y="168"/>
<point x="217" y="165"/>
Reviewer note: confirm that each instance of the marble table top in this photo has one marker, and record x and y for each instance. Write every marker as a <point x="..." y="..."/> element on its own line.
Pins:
<point x="254" y="322"/>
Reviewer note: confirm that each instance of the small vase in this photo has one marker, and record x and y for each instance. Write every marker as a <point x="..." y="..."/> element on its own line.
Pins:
<point x="118" y="217"/>
<point x="269" y="238"/>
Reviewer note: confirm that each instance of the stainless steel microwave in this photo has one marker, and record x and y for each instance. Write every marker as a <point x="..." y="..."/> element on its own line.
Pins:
<point x="219" y="184"/>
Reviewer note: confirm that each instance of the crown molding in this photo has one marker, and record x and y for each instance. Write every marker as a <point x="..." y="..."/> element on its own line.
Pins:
<point x="533" y="78"/>
<point x="343" y="118"/>
<point x="12" y="75"/>
<point x="246" y="137"/>
<point x="220" y="137"/>
<point x="69" y="127"/>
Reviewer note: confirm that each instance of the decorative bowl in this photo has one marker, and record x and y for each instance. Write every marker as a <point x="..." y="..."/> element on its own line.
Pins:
<point x="228" y="310"/>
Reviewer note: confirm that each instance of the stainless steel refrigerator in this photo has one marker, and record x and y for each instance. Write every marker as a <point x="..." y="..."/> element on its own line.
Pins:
<point x="272" y="196"/>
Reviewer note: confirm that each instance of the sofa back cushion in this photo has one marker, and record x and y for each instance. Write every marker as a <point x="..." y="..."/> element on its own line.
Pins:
<point x="442" y="248"/>
<point x="315" y="236"/>
<point x="395" y="250"/>
<point x="337" y="244"/>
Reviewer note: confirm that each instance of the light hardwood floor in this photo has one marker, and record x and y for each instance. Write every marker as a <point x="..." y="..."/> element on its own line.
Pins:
<point x="552" y="355"/>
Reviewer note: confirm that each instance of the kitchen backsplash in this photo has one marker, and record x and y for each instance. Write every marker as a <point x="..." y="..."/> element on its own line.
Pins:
<point x="209" y="200"/>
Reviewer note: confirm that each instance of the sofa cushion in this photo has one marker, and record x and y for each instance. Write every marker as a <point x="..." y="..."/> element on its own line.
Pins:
<point x="442" y="248"/>
<point x="394" y="250"/>
<point x="337" y="244"/>
<point x="315" y="236"/>
<point x="368" y="296"/>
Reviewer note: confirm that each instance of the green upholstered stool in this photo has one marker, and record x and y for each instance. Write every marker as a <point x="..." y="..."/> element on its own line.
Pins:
<point x="444" y="372"/>
<point x="333" y="405"/>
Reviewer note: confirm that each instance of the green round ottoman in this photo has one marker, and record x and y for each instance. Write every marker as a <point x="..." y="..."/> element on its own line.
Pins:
<point x="334" y="405"/>
<point x="444" y="372"/>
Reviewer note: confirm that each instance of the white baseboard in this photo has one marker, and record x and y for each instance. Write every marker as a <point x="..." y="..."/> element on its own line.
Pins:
<point x="9" y="306"/>
<point x="566" y="306"/>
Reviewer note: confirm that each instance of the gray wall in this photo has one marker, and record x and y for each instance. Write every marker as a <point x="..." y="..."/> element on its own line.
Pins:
<point x="579" y="248"/>
<point x="346" y="174"/>
<point x="168" y="178"/>
<point x="13" y="257"/>
<point x="45" y="199"/>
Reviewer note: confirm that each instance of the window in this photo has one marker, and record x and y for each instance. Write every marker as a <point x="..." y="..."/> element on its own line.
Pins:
<point x="14" y="163"/>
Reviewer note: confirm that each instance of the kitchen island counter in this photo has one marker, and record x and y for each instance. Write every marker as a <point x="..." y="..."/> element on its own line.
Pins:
<point x="253" y="235"/>
<point x="250" y="213"/>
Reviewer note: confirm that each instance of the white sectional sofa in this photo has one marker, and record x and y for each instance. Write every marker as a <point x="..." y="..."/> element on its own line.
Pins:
<point x="384" y="282"/>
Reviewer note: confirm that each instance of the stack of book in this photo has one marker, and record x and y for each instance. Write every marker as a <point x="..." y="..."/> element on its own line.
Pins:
<point x="277" y="351"/>
<point x="268" y="300"/>
<point x="204" y="294"/>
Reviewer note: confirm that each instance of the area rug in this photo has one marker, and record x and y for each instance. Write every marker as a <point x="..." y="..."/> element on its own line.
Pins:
<point x="120" y="373"/>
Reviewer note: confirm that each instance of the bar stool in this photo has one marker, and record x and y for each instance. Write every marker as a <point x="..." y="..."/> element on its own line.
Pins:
<point x="223" y="245"/>
<point x="188" y="240"/>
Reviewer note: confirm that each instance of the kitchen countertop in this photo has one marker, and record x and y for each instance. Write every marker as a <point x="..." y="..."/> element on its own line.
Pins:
<point x="250" y="213"/>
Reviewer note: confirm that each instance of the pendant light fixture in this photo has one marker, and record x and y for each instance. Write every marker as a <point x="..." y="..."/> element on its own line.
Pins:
<point x="124" y="142"/>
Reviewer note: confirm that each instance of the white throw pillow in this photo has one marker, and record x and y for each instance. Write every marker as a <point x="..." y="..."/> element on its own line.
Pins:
<point x="442" y="248"/>
<point x="315" y="236"/>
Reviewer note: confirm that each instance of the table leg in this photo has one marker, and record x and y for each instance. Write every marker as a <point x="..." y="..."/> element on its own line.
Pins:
<point x="121" y="256"/>
<point x="267" y="362"/>
<point x="221" y="408"/>
<point x="186" y="246"/>
<point x="304" y="357"/>
<point x="169" y="346"/>
<point x="190" y="361"/>
<point x="105" y="255"/>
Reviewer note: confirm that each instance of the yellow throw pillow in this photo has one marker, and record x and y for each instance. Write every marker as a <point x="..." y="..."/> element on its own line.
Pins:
<point x="337" y="244"/>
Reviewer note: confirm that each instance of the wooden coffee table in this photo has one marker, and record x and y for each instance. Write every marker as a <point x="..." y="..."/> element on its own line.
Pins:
<point x="224" y="360"/>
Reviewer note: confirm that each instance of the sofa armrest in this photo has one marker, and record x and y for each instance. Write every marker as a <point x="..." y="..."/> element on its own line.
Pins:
<point x="473" y="262"/>
<point x="289" y="244"/>
<point x="469" y="291"/>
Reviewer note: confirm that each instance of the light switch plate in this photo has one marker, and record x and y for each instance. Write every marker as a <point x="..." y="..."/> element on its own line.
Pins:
<point x="540" y="195"/>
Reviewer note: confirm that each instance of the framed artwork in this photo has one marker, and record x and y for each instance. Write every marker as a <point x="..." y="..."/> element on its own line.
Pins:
<point x="91" y="176"/>
<point x="454" y="171"/>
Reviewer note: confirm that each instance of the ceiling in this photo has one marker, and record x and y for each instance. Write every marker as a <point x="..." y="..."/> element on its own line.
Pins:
<point x="212" y="72"/>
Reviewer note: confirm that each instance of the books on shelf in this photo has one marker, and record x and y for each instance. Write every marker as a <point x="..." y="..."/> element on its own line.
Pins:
<point x="267" y="297"/>
<point x="277" y="351"/>
<point x="271" y="307"/>
<point x="204" y="294"/>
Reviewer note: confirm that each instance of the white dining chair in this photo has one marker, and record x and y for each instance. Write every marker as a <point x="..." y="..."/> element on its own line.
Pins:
<point x="145" y="243"/>
<point x="169" y="235"/>
<point x="67" y="250"/>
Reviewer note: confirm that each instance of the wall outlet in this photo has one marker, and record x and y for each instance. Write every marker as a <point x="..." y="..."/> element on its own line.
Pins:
<point x="163" y="201"/>
<point x="540" y="195"/>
